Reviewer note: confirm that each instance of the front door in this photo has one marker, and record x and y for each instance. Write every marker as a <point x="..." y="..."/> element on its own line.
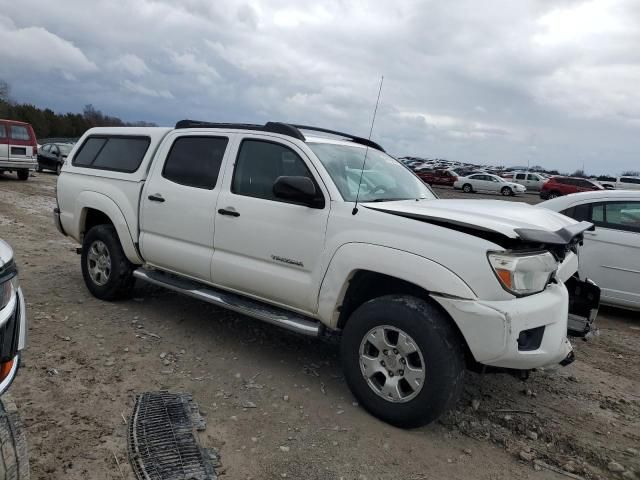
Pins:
<point x="179" y="203"/>
<point x="266" y="247"/>
<point x="610" y="255"/>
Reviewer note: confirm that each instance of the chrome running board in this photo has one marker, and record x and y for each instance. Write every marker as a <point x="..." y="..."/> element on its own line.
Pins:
<point x="247" y="306"/>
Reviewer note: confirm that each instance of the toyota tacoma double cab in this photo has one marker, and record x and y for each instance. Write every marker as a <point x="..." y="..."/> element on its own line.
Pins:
<point x="323" y="233"/>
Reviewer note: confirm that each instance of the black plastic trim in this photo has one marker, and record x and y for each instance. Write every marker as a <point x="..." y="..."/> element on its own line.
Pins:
<point x="271" y="127"/>
<point x="353" y="138"/>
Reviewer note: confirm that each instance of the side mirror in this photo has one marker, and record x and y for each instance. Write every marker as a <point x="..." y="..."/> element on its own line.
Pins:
<point x="299" y="190"/>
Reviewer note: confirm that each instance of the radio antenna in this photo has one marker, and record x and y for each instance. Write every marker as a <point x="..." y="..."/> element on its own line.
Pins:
<point x="366" y="152"/>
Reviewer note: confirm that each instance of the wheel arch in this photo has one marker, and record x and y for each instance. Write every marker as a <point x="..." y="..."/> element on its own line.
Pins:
<point x="97" y="209"/>
<point x="359" y="272"/>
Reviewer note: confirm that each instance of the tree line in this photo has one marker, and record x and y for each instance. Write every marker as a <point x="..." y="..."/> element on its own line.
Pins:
<point x="47" y="123"/>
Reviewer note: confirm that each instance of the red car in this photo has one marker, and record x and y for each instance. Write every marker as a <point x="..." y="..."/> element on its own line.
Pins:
<point x="558" y="186"/>
<point x="437" y="177"/>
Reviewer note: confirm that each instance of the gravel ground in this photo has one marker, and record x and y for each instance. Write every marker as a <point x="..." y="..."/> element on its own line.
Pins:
<point x="276" y="404"/>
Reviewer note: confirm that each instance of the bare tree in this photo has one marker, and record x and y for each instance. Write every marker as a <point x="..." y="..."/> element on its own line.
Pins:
<point x="4" y="91"/>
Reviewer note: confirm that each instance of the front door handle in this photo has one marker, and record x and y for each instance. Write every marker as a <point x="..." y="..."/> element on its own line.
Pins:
<point x="231" y="213"/>
<point x="156" y="197"/>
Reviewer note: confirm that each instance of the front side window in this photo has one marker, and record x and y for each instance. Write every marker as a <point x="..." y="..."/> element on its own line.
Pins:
<point x="383" y="177"/>
<point x="195" y="161"/>
<point x="19" y="132"/>
<point x="3" y="131"/>
<point x="46" y="148"/>
<point x="535" y="178"/>
<point x="121" y="153"/>
<point x="260" y="163"/>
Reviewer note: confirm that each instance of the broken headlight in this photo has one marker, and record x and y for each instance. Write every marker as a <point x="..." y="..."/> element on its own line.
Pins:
<point x="523" y="273"/>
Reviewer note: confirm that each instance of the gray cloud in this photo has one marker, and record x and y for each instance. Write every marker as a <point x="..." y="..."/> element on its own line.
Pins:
<point x="540" y="81"/>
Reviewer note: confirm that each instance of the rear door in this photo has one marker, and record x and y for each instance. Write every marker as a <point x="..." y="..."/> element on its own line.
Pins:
<point x="20" y="142"/>
<point x="264" y="246"/>
<point x="4" y="142"/>
<point x="479" y="182"/>
<point x="179" y="203"/>
<point x="611" y="253"/>
<point x="521" y="178"/>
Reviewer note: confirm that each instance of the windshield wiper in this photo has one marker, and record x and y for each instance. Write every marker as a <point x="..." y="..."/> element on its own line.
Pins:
<point x="388" y="199"/>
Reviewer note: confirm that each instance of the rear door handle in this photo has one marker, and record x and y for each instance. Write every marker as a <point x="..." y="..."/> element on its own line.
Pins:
<point x="231" y="213"/>
<point x="156" y="197"/>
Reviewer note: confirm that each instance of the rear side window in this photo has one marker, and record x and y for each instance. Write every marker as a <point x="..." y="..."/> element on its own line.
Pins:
<point x="520" y="176"/>
<point x="19" y="132"/>
<point x="195" y="161"/>
<point x="260" y="163"/>
<point x="120" y="154"/>
<point x="3" y="131"/>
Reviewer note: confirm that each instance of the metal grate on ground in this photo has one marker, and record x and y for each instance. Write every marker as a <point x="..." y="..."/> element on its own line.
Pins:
<point x="162" y="438"/>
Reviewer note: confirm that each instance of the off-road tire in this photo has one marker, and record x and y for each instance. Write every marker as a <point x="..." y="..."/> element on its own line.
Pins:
<point x="23" y="174"/>
<point x="467" y="188"/>
<point x="14" y="456"/>
<point x="440" y="345"/>
<point x="120" y="281"/>
<point x="506" y="192"/>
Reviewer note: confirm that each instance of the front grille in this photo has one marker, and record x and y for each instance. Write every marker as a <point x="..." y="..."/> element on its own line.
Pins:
<point x="162" y="440"/>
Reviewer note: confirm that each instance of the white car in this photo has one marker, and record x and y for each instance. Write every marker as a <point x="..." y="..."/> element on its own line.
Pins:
<point x="263" y="219"/>
<point x="610" y="255"/>
<point x="486" y="182"/>
<point x="13" y="318"/>
<point x="530" y="180"/>
<point x="622" y="183"/>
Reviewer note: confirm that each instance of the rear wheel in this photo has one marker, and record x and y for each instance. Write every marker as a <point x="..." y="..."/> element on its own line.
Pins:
<point x="39" y="167"/>
<point x="106" y="270"/>
<point x="23" y="174"/>
<point x="506" y="192"/>
<point x="553" y="195"/>
<point x="467" y="188"/>
<point x="403" y="360"/>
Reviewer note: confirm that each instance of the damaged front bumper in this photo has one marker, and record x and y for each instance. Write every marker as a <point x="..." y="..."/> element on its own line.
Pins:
<point x="584" y="301"/>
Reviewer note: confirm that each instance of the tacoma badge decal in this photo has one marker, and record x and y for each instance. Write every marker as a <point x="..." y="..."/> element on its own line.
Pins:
<point x="297" y="263"/>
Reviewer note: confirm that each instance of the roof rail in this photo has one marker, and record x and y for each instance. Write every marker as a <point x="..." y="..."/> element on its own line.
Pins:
<point x="273" y="127"/>
<point x="278" y="127"/>
<point x="353" y="138"/>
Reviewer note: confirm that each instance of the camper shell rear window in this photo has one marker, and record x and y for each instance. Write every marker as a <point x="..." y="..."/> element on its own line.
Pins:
<point x="118" y="153"/>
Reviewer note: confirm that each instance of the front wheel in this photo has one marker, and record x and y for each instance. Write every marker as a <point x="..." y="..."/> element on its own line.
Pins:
<point x="506" y="192"/>
<point x="403" y="360"/>
<point x="58" y="168"/>
<point x="23" y="174"/>
<point x="106" y="270"/>
<point x="466" y="188"/>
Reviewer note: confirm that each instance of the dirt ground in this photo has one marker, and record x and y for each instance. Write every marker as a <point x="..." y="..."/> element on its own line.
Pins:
<point x="276" y="404"/>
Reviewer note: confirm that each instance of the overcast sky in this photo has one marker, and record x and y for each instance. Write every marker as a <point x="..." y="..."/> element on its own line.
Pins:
<point x="551" y="82"/>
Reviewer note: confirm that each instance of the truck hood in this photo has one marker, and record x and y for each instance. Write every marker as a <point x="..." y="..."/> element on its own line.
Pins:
<point x="504" y="223"/>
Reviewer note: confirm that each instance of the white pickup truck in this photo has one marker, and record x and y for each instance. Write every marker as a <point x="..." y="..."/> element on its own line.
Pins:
<point x="262" y="219"/>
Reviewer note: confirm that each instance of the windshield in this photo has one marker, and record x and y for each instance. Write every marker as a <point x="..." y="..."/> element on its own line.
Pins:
<point x="384" y="178"/>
